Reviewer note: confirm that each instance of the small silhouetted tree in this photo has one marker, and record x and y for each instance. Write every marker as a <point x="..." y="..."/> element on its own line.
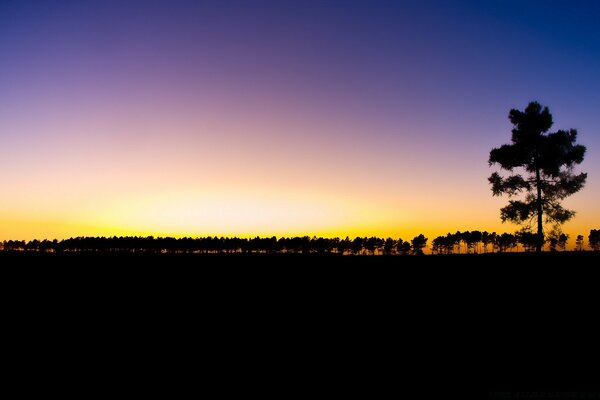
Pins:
<point x="418" y="244"/>
<point x="494" y="240"/>
<point x="579" y="243"/>
<point x="437" y="245"/>
<point x="402" y="247"/>
<point x="527" y="239"/>
<point x="552" y="242"/>
<point x="506" y="241"/>
<point x="485" y="240"/>
<point x="388" y="246"/>
<point x="541" y="167"/>
<point x="557" y="239"/>
<point x="344" y="245"/>
<point x="563" y="238"/>
<point x="357" y="245"/>
<point x="594" y="239"/>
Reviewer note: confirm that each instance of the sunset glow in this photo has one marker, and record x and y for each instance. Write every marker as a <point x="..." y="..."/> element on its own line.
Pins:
<point x="281" y="118"/>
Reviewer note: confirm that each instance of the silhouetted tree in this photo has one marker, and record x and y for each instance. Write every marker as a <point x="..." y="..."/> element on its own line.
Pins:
<point x="377" y="244"/>
<point x="446" y="244"/>
<point x="494" y="240"/>
<point x="388" y="246"/>
<point x="33" y="245"/>
<point x="557" y="239"/>
<point x="344" y="245"/>
<point x="471" y="239"/>
<point x="563" y="238"/>
<point x="357" y="245"/>
<point x="402" y="247"/>
<point x="476" y="237"/>
<point x="541" y="167"/>
<point x="552" y="241"/>
<point x="594" y="239"/>
<point x="524" y="238"/>
<point x="579" y="243"/>
<point x="527" y="239"/>
<point x="465" y="237"/>
<point x="14" y="245"/>
<point x="506" y="241"/>
<point x="418" y="244"/>
<point x="371" y="245"/>
<point x="458" y="238"/>
<point x="486" y="239"/>
<point x="437" y="245"/>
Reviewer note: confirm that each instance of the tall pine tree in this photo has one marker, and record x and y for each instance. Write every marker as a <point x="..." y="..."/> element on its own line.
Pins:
<point x="541" y="170"/>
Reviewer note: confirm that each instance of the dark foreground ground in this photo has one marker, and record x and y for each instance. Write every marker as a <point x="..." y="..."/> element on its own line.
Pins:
<point x="485" y="274"/>
<point x="428" y="327"/>
<point x="108" y="259"/>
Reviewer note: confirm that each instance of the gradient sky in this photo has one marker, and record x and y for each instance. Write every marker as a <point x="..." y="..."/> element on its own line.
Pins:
<point x="332" y="118"/>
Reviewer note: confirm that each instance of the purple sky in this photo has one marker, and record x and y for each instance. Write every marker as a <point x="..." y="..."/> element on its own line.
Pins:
<point x="281" y="117"/>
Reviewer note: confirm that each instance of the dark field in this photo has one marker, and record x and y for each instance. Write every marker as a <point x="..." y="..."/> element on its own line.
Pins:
<point x="452" y="323"/>
<point x="437" y="275"/>
<point x="185" y="259"/>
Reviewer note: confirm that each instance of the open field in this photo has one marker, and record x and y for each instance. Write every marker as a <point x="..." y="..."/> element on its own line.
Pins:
<point x="326" y="274"/>
<point x="467" y="321"/>
<point x="509" y="260"/>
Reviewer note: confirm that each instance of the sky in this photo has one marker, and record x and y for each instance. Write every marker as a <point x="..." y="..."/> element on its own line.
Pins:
<point x="245" y="118"/>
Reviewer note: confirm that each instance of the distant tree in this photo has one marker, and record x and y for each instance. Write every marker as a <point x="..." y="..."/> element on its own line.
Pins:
<point x="527" y="239"/>
<point x="594" y="239"/>
<point x="465" y="237"/>
<point x="320" y="245"/>
<point x="486" y="239"/>
<point x="437" y="245"/>
<point x="33" y="245"/>
<point x="457" y="238"/>
<point x="552" y="242"/>
<point x="46" y="246"/>
<point x="418" y="244"/>
<point x="471" y="239"/>
<point x="378" y="244"/>
<point x="402" y="247"/>
<point x="447" y="244"/>
<point x="357" y="245"/>
<point x="579" y="243"/>
<point x="369" y="245"/>
<point x="557" y="239"/>
<point x="494" y="240"/>
<point x="541" y="167"/>
<point x="476" y="237"/>
<point x="388" y="246"/>
<point x="344" y="245"/>
<point x="332" y="245"/>
<point x="453" y="242"/>
<point x="372" y="244"/>
<point x="563" y="238"/>
<point x="506" y="241"/>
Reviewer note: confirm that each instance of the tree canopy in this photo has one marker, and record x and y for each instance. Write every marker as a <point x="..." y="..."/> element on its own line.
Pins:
<point x="541" y="170"/>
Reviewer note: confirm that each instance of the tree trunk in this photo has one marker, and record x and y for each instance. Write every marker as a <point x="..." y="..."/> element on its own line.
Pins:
<point x="540" y="227"/>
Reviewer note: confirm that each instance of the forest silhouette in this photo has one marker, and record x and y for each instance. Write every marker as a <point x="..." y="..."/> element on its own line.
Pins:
<point x="468" y="242"/>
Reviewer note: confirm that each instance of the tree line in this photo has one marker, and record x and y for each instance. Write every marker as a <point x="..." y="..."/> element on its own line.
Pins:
<point x="453" y="243"/>
<point x="524" y="240"/>
<point x="211" y="245"/>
